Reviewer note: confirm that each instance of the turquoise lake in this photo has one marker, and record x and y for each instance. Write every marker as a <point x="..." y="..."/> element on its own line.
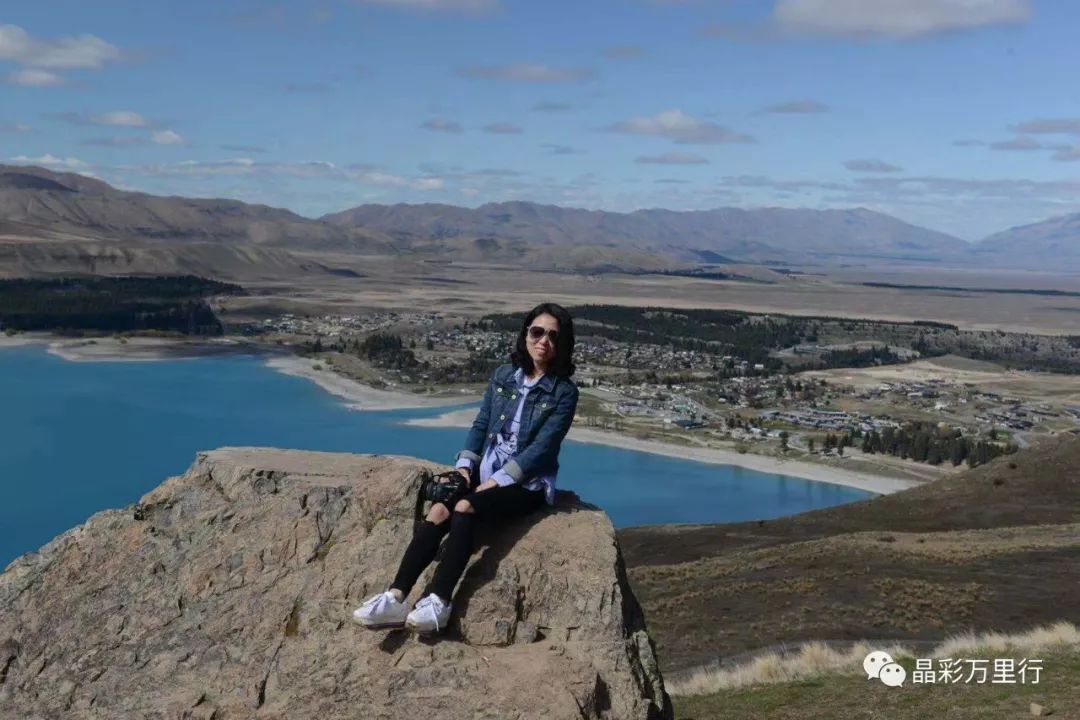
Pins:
<point x="79" y="437"/>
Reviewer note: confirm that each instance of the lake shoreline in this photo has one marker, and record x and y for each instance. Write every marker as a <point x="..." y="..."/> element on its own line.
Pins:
<point x="358" y="396"/>
<point x="134" y="349"/>
<point x="879" y="484"/>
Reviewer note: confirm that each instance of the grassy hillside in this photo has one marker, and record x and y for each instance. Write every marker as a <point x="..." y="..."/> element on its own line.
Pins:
<point x="853" y="697"/>
<point x="995" y="548"/>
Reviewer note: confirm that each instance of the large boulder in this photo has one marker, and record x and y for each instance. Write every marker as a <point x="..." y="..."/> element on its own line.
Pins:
<point x="226" y="593"/>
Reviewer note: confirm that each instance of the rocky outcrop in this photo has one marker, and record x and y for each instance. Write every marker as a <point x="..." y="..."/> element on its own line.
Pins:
<point x="227" y="592"/>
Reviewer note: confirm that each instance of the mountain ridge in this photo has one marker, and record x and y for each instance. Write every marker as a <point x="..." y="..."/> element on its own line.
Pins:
<point x="747" y="234"/>
<point x="43" y="203"/>
<point x="1048" y="243"/>
<point x="75" y="203"/>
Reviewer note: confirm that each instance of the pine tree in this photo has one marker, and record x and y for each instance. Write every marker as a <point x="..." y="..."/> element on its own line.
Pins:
<point x="957" y="451"/>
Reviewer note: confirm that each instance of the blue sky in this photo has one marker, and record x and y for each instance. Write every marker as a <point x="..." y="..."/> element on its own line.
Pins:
<point x="960" y="115"/>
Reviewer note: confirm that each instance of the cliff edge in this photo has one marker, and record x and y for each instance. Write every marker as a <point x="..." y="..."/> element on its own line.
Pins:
<point x="226" y="592"/>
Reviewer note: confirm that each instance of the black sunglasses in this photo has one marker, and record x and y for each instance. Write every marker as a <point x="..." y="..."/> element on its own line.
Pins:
<point x="536" y="332"/>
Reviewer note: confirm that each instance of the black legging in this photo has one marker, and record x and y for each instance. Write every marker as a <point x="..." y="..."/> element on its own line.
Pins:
<point x="501" y="502"/>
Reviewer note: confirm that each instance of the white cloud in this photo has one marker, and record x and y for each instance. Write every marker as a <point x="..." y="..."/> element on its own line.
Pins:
<point x="448" y="5"/>
<point x="1024" y="143"/>
<point x="120" y="118"/>
<point x="50" y="160"/>
<point x="682" y="128"/>
<point x="672" y="159"/>
<point x="1067" y="154"/>
<point x="875" y="166"/>
<point x="798" y="107"/>
<point x="116" y="118"/>
<point x="384" y="179"/>
<point x="1065" y="126"/>
<point x="503" y="128"/>
<point x="387" y="180"/>
<point x="552" y="107"/>
<point x="1021" y="143"/>
<point x="166" y="137"/>
<point x="312" y="170"/>
<point x="84" y="52"/>
<point x="15" y="127"/>
<point x="556" y="149"/>
<point x="528" y="73"/>
<point x="441" y="125"/>
<point x="244" y="148"/>
<point x="35" y="78"/>
<point x="115" y="142"/>
<point x="898" y="19"/>
<point x="199" y="168"/>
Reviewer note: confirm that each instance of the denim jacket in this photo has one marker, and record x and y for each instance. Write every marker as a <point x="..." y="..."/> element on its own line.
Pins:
<point x="545" y="420"/>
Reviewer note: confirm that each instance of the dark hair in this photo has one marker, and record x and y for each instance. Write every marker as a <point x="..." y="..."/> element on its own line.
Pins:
<point x="563" y="364"/>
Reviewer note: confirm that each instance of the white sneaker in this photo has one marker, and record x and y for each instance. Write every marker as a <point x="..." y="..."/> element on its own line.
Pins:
<point x="430" y="615"/>
<point x="381" y="611"/>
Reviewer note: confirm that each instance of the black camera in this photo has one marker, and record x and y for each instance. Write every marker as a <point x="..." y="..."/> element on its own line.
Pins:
<point x="447" y="487"/>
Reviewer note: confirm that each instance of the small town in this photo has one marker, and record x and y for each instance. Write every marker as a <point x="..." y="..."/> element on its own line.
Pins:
<point x="666" y="392"/>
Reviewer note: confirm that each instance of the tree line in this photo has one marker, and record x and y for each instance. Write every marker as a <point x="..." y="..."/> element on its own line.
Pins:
<point x="721" y="332"/>
<point x="113" y="304"/>
<point x="924" y="442"/>
<point x="390" y="352"/>
<point x="860" y="357"/>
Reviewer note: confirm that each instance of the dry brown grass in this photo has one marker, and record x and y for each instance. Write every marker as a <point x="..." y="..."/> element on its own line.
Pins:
<point x="1044" y="638"/>
<point x="995" y="548"/>
<point x="815" y="659"/>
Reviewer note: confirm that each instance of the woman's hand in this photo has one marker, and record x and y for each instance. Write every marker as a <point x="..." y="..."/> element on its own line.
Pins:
<point x="486" y="486"/>
<point x="464" y="473"/>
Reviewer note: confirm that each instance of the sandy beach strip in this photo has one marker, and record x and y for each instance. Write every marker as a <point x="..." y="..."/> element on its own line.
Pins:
<point x="357" y="395"/>
<point x="135" y="349"/>
<point x="20" y="340"/>
<point x="762" y="463"/>
<point x="141" y="349"/>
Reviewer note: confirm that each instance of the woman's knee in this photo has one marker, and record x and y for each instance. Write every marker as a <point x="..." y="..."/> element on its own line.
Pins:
<point x="463" y="506"/>
<point x="438" y="513"/>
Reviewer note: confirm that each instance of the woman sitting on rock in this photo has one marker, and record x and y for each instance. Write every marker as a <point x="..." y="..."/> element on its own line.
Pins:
<point x="526" y="412"/>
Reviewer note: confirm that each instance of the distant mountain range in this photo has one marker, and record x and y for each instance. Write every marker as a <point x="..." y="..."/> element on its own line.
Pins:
<point x="68" y="202"/>
<point x="65" y="223"/>
<point x="59" y="222"/>
<point x="758" y="235"/>
<point x="1052" y="244"/>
